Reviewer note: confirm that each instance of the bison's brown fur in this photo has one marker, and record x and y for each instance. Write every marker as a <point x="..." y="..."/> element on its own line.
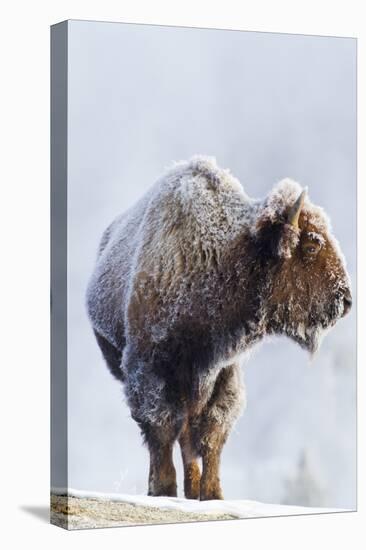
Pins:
<point x="185" y="283"/>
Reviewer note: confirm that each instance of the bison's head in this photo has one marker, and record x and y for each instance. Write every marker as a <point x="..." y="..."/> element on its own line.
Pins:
<point x="307" y="286"/>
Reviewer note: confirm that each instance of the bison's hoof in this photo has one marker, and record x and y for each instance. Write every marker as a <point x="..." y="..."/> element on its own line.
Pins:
<point x="168" y="491"/>
<point x="192" y="493"/>
<point x="212" y="494"/>
<point x="192" y="479"/>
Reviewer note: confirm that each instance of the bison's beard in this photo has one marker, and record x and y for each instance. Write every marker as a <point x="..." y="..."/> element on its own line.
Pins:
<point x="311" y="334"/>
<point x="306" y="327"/>
<point x="312" y="338"/>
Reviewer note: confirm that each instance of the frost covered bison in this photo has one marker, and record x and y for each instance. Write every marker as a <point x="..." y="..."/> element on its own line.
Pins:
<point x="189" y="279"/>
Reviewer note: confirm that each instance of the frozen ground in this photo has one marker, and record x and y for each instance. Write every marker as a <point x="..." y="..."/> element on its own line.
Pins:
<point x="83" y="510"/>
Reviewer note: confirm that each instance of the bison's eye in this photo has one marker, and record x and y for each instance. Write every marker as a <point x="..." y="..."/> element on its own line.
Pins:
<point x="311" y="248"/>
<point x="312" y="242"/>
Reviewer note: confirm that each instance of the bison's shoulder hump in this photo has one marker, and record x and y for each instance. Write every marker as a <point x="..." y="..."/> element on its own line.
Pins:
<point x="204" y="174"/>
<point x="200" y="191"/>
<point x="196" y="204"/>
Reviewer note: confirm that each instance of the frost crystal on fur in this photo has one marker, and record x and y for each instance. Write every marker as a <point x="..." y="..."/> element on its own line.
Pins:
<point x="193" y="276"/>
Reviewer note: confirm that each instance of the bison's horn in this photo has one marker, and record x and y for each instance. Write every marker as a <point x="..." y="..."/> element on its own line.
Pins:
<point x="294" y="212"/>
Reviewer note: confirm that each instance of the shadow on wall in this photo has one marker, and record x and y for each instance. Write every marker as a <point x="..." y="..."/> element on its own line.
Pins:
<point x="40" y="512"/>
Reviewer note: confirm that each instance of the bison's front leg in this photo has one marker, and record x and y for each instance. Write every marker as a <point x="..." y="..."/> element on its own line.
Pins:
<point x="210" y="488"/>
<point x="159" y="419"/>
<point x="162" y="475"/>
<point x="217" y="419"/>
<point x="192" y="474"/>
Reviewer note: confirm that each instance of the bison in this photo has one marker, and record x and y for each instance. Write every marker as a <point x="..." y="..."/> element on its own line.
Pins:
<point x="186" y="282"/>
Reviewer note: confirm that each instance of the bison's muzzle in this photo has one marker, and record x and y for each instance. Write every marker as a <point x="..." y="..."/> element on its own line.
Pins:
<point x="347" y="303"/>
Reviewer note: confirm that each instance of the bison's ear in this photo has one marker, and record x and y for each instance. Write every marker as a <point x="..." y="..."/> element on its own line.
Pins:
<point x="278" y="240"/>
<point x="277" y="224"/>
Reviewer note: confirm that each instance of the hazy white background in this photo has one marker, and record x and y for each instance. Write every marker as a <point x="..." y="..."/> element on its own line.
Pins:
<point x="266" y="106"/>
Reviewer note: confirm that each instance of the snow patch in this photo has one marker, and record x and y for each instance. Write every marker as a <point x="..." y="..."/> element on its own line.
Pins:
<point x="238" y="508"/>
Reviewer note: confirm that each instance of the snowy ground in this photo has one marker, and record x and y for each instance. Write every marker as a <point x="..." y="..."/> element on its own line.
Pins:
<point x="82" y="510"/>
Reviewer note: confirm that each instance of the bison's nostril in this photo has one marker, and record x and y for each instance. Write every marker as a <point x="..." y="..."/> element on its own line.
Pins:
<point x="347" y="301"/>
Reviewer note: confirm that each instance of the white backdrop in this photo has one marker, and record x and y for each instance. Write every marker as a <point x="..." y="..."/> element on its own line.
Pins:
<point x="25" y="169"/>
<point x="267" y="106"/>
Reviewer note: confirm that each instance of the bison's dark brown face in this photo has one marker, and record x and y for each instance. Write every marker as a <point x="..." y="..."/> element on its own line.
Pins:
<point x="309" y="288"/>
